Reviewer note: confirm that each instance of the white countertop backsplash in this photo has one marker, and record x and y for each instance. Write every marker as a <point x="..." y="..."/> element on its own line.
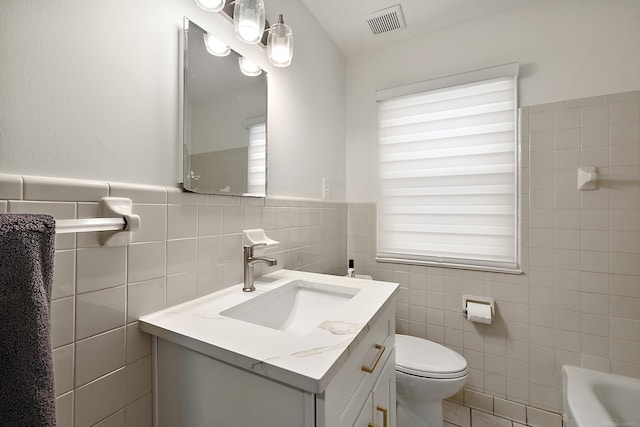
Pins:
<point x="308" y="362"/>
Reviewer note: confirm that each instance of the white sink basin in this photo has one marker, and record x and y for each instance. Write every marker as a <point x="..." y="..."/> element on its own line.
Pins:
<point x="599" y="399"/>
<point x="297" y="307"/>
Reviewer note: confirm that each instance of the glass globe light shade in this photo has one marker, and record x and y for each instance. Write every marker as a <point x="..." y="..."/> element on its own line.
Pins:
<point x="210" y="5"/>
<point x="248" y="67"/>
<point x="249" y="20"/>
<point x="215" y="46"/>
<point x="280" y="44"/>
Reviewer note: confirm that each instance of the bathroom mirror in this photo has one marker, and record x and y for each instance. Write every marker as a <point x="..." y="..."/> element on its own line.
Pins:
<point x="224" y="119"/>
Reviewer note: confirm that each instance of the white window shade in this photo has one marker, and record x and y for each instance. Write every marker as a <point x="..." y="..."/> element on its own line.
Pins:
<point x="257" y="159"/>
<point x="448" y="176"/>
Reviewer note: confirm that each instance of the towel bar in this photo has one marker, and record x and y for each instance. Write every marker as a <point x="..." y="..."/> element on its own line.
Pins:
<point x="116" y="225"/>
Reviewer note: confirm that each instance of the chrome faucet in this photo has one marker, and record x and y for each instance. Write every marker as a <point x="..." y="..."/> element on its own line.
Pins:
<point x="249" y="262"/>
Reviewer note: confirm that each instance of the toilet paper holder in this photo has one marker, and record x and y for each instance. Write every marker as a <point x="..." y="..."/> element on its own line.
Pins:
<point x="479" y="300"/>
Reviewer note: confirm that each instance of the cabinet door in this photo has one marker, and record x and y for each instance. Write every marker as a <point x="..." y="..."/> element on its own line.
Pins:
<point x="384" y="395"/>
<point x="366" y="414"/>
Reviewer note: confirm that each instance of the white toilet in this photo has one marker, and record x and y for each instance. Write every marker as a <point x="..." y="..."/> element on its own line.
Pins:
<point x="426" y="373"/>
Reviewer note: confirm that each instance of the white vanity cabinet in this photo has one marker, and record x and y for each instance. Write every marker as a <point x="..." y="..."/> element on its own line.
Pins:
<point x="213" y="370"/>
<point x="195" y="390"/>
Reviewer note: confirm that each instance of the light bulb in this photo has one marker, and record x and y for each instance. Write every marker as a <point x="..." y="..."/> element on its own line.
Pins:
<point x="280" y="44"/>
<point x="215" y="46"/>
<point x="211" y="5"/>
<point x="248" y="20"/>
<point x="248" y="67"/>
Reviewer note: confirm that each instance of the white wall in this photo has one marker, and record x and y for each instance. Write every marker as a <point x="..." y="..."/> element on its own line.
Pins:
<point x="566" y="49"/>
<point x="90" y="90"/>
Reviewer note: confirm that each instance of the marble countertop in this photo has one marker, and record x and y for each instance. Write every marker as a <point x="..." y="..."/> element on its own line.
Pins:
<point x="307" y="362"/>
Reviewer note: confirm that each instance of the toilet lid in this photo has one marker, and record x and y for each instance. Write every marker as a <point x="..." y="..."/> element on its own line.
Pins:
<point x="417" y="356"/>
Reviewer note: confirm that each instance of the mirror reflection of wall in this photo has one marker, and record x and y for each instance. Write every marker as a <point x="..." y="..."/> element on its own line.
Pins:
<point x="224" y="123"/>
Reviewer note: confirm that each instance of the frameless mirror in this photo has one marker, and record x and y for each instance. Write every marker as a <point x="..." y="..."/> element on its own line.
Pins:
<point x="224" y="120"/>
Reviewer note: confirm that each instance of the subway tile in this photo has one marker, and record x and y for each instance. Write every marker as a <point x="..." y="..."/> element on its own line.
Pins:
<point x="10" y="187"/>
<point x="182" y="255"/>
<point x="62" y="322"/>
<point x="210" y="220"/>
<point x="64" y="274"/>
<point x="584" y="102"/>
<point x="100" y="268"/>
<point x="567" y="118"/>
<point x="625" y="241"/>
<point x="182" y="287"/>
<point x="625" y="307"/>
<point x="138" y="193"/>
<point x="138" y="382"/>
<point x="232" y="248"/>
<point x="138" y="343"/>
<point x="209" y="251"/>
<point x="63" y="369"/>
<point x="627" y="369"/>
<point x="63" y="190"/>
<point x="3" y="206"/>
<point x="182" y="221"/>
<point x="623" y="285"/>
<point x="209" y="280"/>
<point x="625" y="133"/>
<point x="627" y="111"/>
<point x="625" y="263"/>
<point x="232" y="217"/>
<point x="595" y="136"/>
<point x="595" y="345"/>
<point x="625" y="155"/>
<point x="541" y="121"/>
<point x="625" y="329"/>
<point x="99" y="399"/>
<point x="115" y="420"/>
<point x="625" y="351"/>
<point x="456" y="414"/>
<point x="99" y="311"/>
<point x="595" y="114"/>
<point x="484" y="419"/>
<point x="594" y="303"/>
<point x="145" y="297"/>
<point x="153" y="222"/>
<point x="99" y="355"/>
<point x="567" y="138"/>
<point x="511" y="410"/>
<point x="595" y="363"/>
<point x="224" y="200"/>
<point x="623" y="96"/>
<point x="139" y="413"/>
<point x="64" y="410"/>
<point x="175" y="196"/>
<point x="146" y="261"/>
<point x="540" y="418"/>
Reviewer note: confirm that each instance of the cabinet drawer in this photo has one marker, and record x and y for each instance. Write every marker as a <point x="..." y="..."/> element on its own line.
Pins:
<point x="369" y="355"/>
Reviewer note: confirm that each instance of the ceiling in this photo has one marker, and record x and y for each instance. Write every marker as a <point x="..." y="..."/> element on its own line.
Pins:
<point x="344" y="20"/>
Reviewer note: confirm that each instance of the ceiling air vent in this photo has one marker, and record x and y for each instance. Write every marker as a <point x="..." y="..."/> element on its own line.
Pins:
<point x="386" y="20"/>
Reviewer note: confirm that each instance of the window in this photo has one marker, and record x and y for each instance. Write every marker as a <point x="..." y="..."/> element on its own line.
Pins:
<point x="257" y="159"/>
<point x="448" y="171"/>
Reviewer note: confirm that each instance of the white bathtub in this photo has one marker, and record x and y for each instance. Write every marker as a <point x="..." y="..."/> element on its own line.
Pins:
<point x="596" y="399"/>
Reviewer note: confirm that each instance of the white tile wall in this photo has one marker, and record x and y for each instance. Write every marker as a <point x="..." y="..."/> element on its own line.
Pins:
<point x="188" y="246"/>
<point x="578" y="302"/>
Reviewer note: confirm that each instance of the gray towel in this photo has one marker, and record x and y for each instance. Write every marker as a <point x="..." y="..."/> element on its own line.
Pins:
<point x="27" y="244"/>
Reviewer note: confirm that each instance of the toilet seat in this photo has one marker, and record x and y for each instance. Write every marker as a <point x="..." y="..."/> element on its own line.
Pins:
<point x="427" y="359"/>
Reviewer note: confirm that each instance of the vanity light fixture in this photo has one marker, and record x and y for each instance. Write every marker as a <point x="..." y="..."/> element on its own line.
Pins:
<point x="211" y="5"/>
<point x="215" y="46"/>
<point x="249" y="25"/>
<point x="280" y="44"/>
<point x="248" y="67"/>
<point x="249" y="20"/>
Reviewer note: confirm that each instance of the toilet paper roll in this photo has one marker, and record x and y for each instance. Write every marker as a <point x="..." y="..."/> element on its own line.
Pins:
<point x="479" y="312"/>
